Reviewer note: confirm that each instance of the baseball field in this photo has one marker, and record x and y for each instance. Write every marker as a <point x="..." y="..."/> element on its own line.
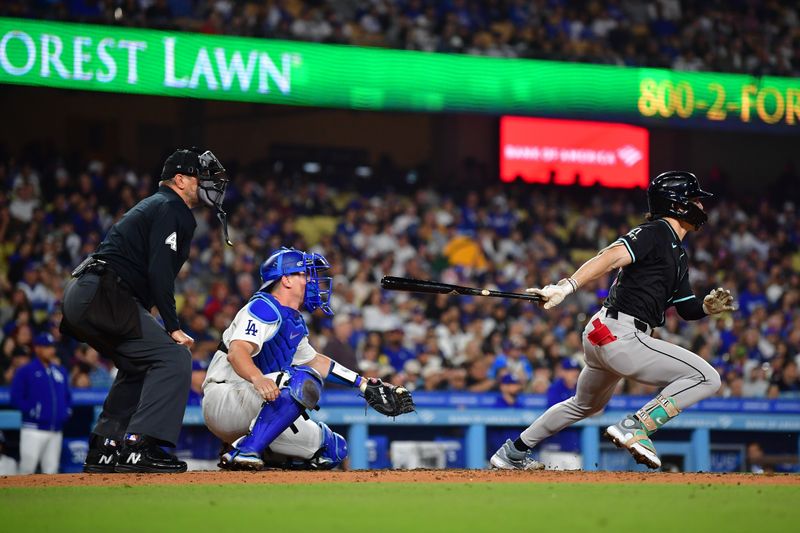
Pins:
<point x="402" y="501"/>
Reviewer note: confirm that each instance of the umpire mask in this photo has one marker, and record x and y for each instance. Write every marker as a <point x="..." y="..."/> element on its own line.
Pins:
<point x="213" y="181"/>
<point x="211" y="177"/>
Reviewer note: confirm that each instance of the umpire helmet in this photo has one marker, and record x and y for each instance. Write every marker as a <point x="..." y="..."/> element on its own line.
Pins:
<point x="288" y="261"/>
<point x="205" y="167"/>
<point x="211" y="176"/>
<point x="670" y="195"/>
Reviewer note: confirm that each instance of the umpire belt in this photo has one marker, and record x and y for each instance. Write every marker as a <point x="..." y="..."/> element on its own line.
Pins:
<point x="93" y="265"/>
<point x="624" y="318"/>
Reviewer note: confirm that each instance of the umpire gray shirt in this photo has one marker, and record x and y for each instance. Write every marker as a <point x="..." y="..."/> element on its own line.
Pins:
<point x="147" y="248"/>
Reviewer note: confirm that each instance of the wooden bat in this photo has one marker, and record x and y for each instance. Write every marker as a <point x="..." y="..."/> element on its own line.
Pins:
<point x="392" y="283"/>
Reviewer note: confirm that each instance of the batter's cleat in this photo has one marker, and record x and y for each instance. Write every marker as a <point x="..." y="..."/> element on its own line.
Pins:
<point x="630" y="434"/>
<point x="102" y="459"/>
<point x="238" y="460"/>
<point x="141" y="454"/>
<point x="510" y="458"/>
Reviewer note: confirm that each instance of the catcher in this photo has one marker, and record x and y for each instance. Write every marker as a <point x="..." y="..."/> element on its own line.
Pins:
<point x="265" y="375"/>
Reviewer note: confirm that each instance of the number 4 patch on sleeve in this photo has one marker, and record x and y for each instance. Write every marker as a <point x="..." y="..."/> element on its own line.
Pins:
<point x="172" y="240"/>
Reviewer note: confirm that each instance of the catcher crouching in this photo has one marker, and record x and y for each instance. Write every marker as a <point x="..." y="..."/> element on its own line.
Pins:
<point x="265" y="376"/>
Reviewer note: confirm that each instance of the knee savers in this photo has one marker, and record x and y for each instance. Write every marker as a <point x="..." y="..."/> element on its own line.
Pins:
<point x="332" y="451"/>
<point x="305" y="386"/>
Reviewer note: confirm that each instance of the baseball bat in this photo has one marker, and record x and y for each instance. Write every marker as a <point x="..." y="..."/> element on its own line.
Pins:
<point x="392" y="283"/>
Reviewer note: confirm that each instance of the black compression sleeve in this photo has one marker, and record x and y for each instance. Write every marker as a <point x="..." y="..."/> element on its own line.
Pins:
<point x="691" y="309"/>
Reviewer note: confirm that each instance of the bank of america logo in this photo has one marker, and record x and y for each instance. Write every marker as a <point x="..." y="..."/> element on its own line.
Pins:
<point x="629" y="155"/>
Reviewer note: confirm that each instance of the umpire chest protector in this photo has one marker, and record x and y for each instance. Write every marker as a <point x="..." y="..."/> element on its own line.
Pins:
<point x="277" y="353"/>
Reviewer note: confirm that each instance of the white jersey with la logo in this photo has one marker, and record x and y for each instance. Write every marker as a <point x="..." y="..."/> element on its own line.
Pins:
<point x="247" y="326"/>
<point x="230" y="403"/>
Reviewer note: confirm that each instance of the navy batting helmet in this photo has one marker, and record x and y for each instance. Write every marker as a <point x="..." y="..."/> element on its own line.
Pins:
<point x="670" y="195"/>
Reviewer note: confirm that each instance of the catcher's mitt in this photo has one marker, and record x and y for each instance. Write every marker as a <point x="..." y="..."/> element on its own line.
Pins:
<point x="387" y="399"/>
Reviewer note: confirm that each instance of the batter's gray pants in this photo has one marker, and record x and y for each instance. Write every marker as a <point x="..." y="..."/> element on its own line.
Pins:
<point x="684" y="376"/>
<point x="149" y="394"/>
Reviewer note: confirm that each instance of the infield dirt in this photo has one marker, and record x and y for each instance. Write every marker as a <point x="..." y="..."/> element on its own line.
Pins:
<point x="282" y="477"/>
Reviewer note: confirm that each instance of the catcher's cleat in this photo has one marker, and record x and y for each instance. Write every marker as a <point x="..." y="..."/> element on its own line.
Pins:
<point x="237" y="460"/>
<point x="630" y="434"/>
<point x="510" y="458"/>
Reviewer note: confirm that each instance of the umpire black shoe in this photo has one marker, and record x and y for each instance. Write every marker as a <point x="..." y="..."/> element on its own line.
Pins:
<point x="102" y="458"/>
<point x="143" y="455"/>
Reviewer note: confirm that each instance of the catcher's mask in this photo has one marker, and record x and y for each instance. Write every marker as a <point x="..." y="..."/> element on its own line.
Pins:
<point x="671" y="194"/>
<point x="211" y="176"/>
<point x="287" y="261"/>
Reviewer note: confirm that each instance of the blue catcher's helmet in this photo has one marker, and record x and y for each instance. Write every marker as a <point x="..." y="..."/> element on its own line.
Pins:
<point x="287" y="261"/>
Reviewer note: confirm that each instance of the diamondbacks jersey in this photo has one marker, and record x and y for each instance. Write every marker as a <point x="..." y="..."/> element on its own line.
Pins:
<point x="278" y="332"/>
<point x="658" y="276"/>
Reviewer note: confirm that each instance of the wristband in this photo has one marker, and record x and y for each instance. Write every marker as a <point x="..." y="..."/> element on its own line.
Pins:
<point x="342" y="375"/>
<point x="574" y="284"/>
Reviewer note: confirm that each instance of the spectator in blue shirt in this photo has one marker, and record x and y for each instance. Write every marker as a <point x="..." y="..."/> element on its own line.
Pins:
<point x="198" y="376"/>
<point x="394" y="349"/>
<point x="511" y="361"/>
<point x="751" y="298"/>
<point x="40" y="391"/>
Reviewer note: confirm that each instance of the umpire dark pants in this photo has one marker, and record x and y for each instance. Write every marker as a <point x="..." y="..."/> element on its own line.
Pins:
<point x="149" y="394"/>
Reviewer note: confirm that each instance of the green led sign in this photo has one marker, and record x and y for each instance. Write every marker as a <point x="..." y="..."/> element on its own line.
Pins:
<point x="125" y="60"/>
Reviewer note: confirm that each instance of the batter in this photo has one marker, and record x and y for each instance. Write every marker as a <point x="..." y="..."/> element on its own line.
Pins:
<point x="653" y="275"/>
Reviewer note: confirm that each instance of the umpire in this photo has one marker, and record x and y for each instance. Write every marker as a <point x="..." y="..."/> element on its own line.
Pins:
<point x="107" y="306"/>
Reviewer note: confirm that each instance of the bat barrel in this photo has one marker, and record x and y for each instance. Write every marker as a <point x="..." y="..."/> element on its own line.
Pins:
<point x="393" y="283"/>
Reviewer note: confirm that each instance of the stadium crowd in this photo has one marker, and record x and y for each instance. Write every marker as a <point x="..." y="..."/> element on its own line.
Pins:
<point x="510" y="237"/>
<point x="754" y="37"/>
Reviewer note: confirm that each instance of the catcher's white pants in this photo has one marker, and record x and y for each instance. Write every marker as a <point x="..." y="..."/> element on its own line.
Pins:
<point x="39" y="446"/>
<point x="229" y="409"/>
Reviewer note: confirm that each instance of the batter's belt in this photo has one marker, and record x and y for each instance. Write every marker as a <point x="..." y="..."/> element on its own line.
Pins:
<point x="641" y="325"/>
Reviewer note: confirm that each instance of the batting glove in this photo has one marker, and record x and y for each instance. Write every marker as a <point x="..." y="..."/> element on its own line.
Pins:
<point x="718" y="301"/>
<point x="552" y="295"/>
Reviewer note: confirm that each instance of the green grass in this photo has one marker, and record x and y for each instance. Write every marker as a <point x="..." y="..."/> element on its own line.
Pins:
<point x="362" y="507"/>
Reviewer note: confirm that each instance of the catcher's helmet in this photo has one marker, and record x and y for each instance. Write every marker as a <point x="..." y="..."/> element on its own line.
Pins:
<point x="670" y="195"/>
<point x="288" y="261"/>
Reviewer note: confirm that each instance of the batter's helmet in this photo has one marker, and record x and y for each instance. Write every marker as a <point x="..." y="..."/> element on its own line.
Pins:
<point x="288" y="261"/>
<point x="670" y="195"/>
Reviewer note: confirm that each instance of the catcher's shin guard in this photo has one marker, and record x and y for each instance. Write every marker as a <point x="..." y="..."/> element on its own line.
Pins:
<point x="333" y="450"/>
<point x="272" y="420"/>
<point x="303" y="392"/>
